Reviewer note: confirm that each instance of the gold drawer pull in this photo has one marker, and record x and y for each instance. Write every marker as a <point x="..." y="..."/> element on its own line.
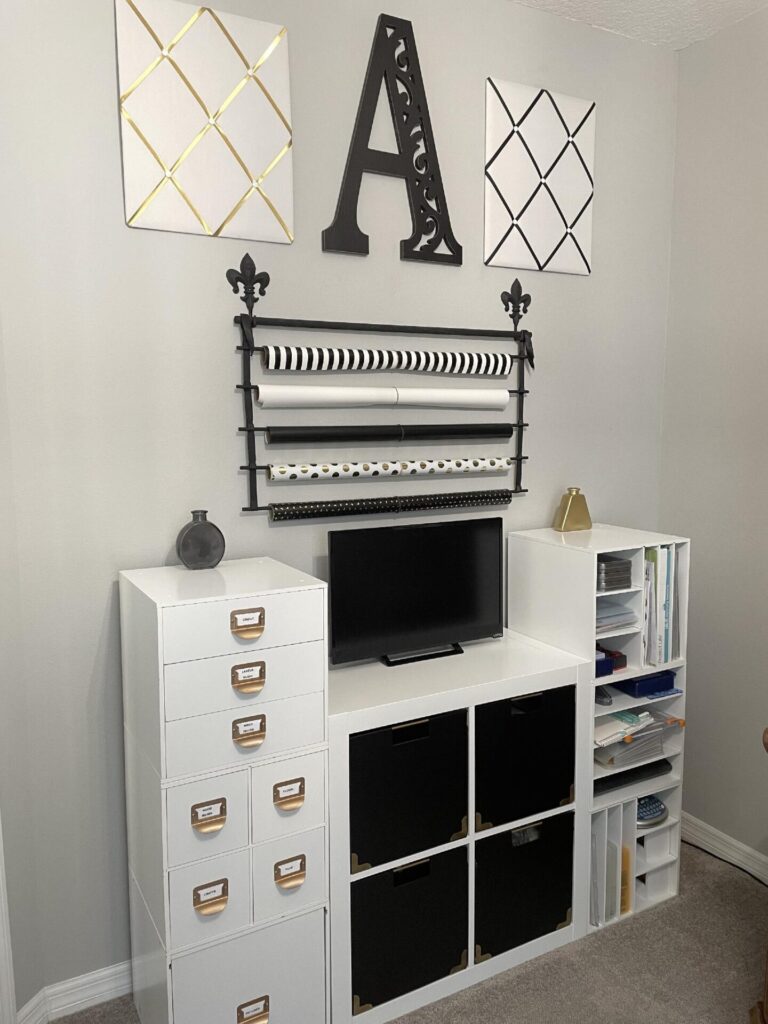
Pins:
<point x="249" y="732"/>
<point x="249" y="678"/>
<point x="289" y="796"/>
<point x="211" y="898"/>
<point x="291" y="873"/>
<point x="247" y="623"/>
<point x="210" y="816"/>
<point x="254" y="1012"/>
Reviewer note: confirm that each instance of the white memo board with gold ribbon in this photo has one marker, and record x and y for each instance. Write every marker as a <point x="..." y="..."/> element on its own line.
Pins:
<point x="205" y="116"/>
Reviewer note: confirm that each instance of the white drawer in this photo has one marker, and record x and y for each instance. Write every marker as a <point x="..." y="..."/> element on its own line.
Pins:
<point x="192" y="631"/>
<point x="210" y="899"/>
<point x="207" y="818"/>
<point x="242" y="680"/>
<point x="288" y="796"/>
<point x="289" y="874"/>
<point x="194" y="745"/>
<point x="227" y="983"/>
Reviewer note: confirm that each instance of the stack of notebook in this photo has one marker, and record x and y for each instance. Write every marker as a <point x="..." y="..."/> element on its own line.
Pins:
<point x="613" y="573"/>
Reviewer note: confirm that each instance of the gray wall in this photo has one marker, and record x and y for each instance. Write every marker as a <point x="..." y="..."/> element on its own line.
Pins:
<point x="116" y="397"/>
<point x="713" y="481"/>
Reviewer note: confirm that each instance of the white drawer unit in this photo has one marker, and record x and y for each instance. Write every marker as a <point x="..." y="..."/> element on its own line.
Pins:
<point x="237" y="681"/>
<point x="289" y="874"/>
<point x="210" y="899"/>
<point x="288" y="796"/>
<point x="208" y="818"/>
<point x="225" y="715"/>
<point x="207" y="742"/>
<point x="274" y="975"/>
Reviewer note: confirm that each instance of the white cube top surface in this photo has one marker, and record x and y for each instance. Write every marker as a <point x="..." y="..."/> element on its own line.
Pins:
<point x="600" y="538"/>
<point x="175" y="584"/>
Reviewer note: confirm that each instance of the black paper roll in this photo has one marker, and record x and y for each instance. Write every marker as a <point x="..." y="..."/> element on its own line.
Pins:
<point x="283" y="511"/>
<point x="387" y="432"/>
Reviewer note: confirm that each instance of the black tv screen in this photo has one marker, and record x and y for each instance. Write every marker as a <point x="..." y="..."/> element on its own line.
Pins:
<point x="401" y="589"/>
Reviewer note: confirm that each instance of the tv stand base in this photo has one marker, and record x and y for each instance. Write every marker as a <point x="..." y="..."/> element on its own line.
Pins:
<point x="434" y="652"/>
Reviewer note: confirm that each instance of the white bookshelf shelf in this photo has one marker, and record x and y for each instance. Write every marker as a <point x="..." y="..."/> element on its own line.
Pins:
<point x="601" y="772"/>
<point x="634" y="790"/>
<point x="624" y="702"/>
<point x="619" y="631"/>
<point x="618" y="593"/>
<point x="640" y="671"/>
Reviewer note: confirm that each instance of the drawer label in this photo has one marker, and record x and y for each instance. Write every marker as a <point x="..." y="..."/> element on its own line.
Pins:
<point x="250" y="725"/>
<point x="248" y="672"/>
<point x="290" y="867"/>
<point x="210" y="892"/>
<point x="249" y="618"/>
<point x="203" y="812"/>
<point x="255" y="1009"/>
<point x="286" y="789"/>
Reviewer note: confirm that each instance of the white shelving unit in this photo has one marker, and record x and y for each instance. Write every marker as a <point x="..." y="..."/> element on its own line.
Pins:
<point x="553" y="597"/>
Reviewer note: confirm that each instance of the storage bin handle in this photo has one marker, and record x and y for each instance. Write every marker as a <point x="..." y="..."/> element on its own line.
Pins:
<point x="289" y="795"/>
<point x="255" y="1011"/>
<point x="249" y="678"/>
<point x="247" y="623"/>
<point x="410" y="872"/>
<point x="209" y="816"/>
<point x="249" y="732"/>
<point x="291" y="873"/>
<point x="211" y="897"/>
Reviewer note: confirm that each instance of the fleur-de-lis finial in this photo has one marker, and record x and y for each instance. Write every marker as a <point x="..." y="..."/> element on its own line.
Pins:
<point x="519" y="302"/>
<point x="249" y="279"/>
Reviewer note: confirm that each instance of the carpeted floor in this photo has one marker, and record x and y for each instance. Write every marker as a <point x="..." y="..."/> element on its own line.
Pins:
<point x="696" y="960"/>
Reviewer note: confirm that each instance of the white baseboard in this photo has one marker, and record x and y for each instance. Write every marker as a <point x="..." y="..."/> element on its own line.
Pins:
<point x="91" y="989"/>
<point x="77" y="994"/>
<point x="699" y="833"/>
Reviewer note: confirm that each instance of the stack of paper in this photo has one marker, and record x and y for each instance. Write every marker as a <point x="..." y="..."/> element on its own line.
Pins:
<point x="613" y="615"/>
<point x="613" y="728"/>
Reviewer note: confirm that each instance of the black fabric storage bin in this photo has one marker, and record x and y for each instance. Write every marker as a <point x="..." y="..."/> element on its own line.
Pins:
<point x="525" y="751"/>
<point x="409" y="927"/>
<point x="523" y="884"/>
<point x="408" y="788"/>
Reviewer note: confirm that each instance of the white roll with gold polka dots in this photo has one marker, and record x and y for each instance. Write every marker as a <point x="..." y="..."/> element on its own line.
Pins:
<point x="394" y="467"/>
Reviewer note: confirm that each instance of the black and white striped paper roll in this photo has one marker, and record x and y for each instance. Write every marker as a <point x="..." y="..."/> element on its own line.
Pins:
<point x="305" y="396"/>
<point x="283" y="511"/>
<point x="336" y="360"/>
<point x="391" y="467"/>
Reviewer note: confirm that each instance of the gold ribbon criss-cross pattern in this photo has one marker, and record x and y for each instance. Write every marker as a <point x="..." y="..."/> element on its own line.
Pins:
<point x="212" y="121"/>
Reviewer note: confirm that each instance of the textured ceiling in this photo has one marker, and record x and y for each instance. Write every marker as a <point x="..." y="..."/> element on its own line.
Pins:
<point x="673" y="23"/>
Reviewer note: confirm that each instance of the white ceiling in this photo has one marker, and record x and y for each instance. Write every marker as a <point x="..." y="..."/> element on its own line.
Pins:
<point x="673" y="23"/>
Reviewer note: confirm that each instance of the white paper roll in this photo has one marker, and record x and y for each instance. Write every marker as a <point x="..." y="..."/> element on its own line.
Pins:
<point x="389" y="467"/>
<point x="298" y="396"/>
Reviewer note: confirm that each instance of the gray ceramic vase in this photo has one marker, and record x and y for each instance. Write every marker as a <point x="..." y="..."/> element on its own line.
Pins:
<point x="200" y="544"/>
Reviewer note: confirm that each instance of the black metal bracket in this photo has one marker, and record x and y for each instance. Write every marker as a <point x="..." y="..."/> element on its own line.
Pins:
<point x="514" y="301"/>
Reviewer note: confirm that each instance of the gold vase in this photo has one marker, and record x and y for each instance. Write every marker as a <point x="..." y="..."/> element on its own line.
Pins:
<point x="572" y="513"/>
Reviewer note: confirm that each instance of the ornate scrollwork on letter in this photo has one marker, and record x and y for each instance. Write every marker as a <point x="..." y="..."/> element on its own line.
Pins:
<point x="394" y="59"/>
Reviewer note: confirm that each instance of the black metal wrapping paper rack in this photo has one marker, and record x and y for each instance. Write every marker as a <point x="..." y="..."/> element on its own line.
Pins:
<point x="515" y="303"/>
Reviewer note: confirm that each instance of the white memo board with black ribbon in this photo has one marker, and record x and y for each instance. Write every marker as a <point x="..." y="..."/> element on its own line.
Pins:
<point x="539" y="179"/>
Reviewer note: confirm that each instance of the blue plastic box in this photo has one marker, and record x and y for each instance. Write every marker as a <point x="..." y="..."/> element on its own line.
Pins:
<point x="647" y="684"/>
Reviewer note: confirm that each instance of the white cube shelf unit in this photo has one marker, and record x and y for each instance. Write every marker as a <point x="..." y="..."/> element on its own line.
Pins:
<point x="453" y="856"/>
<point x="553" y="596"/>
<point x="225" y="716"/>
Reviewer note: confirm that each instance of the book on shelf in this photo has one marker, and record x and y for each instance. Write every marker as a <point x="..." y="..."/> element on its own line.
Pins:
<point x="661" y="629"/>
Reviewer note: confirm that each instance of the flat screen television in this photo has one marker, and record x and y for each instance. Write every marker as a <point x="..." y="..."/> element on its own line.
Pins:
<point x="402" y="591"/>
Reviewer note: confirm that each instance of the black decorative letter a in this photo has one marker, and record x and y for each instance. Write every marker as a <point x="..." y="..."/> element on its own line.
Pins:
<point x="394" y="58"/>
